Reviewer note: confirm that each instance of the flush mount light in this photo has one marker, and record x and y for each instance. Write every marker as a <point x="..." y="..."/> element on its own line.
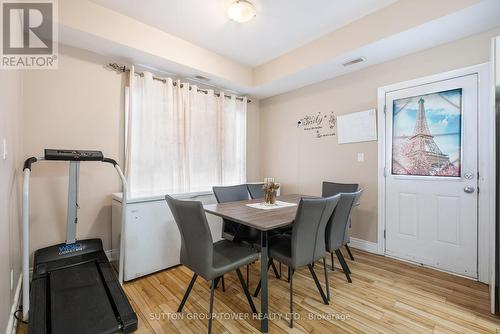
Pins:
<point x="241" y="11"/>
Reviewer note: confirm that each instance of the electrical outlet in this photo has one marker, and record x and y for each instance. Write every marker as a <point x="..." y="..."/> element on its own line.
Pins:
<point x="361" y="157"/>
<point x="11" y="279"/>
<point x="4" y="149"/>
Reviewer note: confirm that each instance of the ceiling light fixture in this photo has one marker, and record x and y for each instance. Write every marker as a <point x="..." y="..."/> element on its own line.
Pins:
<point x="241" y="11"/>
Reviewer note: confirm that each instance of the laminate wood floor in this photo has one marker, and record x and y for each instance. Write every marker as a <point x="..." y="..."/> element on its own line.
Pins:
<point x="386" y="296"/>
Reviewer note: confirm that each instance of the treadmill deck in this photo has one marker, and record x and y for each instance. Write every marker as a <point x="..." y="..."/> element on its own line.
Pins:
<point x="76" y="291"/>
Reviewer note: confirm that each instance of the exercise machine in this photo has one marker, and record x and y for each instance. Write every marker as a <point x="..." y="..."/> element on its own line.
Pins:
<point x="74" y="288"/>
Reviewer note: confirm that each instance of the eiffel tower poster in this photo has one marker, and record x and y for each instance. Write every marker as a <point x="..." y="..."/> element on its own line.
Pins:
<point x="427" y="134"/>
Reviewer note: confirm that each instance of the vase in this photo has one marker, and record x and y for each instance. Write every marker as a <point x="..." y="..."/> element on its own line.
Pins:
<point x="270" y="197"/>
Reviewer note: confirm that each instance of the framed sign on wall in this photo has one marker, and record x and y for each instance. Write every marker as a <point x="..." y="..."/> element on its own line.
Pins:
<point x="357" y="127"/>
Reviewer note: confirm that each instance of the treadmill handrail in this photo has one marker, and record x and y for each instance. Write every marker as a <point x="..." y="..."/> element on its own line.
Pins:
<point x="25" y="221"/>
<point x="28" y="162"/>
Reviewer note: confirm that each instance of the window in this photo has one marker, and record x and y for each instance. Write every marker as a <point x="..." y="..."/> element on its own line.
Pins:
<point x="180" y="139"/>
<point x="426" y="135"/>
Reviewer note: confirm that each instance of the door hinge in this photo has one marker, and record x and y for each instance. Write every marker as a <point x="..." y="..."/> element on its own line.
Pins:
<point x="385" y="109"/>
<point x="385" y="172"/>
<point x="478" y="190"/>
<point x="385" y="234"/>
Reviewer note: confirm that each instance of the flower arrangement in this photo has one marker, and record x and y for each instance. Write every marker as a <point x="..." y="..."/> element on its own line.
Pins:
<point x="270" y="187"/>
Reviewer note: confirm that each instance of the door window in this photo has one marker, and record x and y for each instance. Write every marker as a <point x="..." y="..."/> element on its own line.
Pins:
<point x="426" y="134"/>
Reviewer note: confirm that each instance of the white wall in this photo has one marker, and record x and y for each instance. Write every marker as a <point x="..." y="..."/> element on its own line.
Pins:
<point x="10" y="169"/>
<point x="497" y="60"/>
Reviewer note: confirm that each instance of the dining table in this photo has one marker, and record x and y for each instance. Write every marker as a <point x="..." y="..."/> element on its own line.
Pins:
<point x="264" y="220"/>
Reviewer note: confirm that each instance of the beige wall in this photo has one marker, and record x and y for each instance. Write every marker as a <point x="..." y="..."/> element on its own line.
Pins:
<point x="80" y="106"/>
<point x="10" y="254"/>
<point x="301" y="162"/>
<point x="77" y="106"/>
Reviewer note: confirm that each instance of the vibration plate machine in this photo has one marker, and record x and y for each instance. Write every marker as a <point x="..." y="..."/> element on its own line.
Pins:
<point x="74" y="288"/>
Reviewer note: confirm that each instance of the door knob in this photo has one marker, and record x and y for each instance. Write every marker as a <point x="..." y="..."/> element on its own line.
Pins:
<point x="469" y="189"/>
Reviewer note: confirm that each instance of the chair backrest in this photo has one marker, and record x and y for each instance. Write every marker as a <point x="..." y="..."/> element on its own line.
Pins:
<point x="339" y="222"/>
<point x="333" y="188"/>
<point x="305" y="230"/>
<point x="320" y="246"/>
<point x="255" y="190"/>
<point x="196" y="239"/>
<point x="231" y="193"/>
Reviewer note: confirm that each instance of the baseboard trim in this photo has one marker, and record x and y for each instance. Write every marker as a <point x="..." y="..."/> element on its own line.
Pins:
<point x="12" y="324"/>
<point x="364" y="245"/>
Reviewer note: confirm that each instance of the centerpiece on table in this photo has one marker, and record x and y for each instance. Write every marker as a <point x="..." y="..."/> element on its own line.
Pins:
<point x="270" y="187"/>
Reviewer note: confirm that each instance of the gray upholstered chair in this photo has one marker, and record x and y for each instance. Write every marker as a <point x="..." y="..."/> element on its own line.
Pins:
<point x="333" y="188"/>
<point x="231" y="230"/>
<point x="205" y="258"/>
<point x="306" y="244"/>
<point x="338" y="226"/>
<point x="255" y="190"/>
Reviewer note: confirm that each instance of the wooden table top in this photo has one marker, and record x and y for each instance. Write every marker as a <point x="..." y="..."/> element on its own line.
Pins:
<point x="263" y="220"/>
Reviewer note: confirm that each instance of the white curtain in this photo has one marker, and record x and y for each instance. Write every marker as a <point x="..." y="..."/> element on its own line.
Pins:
<point x="181" y="140"/>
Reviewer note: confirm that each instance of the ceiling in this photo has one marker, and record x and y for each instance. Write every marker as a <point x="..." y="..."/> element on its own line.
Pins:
<point x="280" y="25"/>
<point x="292" y="49"/>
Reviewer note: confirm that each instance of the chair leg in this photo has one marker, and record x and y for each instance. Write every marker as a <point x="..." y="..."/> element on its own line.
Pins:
<point x="333" y="263"/>
<point x="245" y="290"/>
<point x="349" y="252"/>
<point x="217" y="282"/>
<point x="345" y="262"/>
<point x="223" y="284"/>
<point x="248" y="275"/>
<point x="326" y="280"/>
<point x="257" y="289"/>
<point x="320" y="289"/>
<point x="290" y="279"/>
<point x="188" y="291"/>
<point x="345" y="268"/>
<point x="211" y="309"/>
<point x="275" y="269"/>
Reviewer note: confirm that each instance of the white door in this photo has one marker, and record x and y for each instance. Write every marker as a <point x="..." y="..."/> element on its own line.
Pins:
<point x="431" y="174"/>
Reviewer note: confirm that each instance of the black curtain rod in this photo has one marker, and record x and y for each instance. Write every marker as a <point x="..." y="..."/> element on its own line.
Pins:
<point x="123" y="68"/>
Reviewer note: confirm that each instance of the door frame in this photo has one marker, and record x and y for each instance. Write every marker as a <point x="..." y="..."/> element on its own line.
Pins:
<point x="486" y="162"/>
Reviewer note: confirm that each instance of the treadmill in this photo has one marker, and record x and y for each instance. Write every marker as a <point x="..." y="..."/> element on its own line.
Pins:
<point x="74" y="288"/>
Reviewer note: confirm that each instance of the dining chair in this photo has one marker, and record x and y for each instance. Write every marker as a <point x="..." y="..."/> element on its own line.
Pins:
<point x="255" y="190"/>
<point x="338" y="226"/>
<point x="233" y="231"/>
<point x="306" y="244"/>
<point x="333" y="188"/>
<point x="205" y="258"/>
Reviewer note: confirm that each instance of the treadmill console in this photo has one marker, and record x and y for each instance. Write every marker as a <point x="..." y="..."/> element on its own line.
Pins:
<point x="73" y="155"/>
